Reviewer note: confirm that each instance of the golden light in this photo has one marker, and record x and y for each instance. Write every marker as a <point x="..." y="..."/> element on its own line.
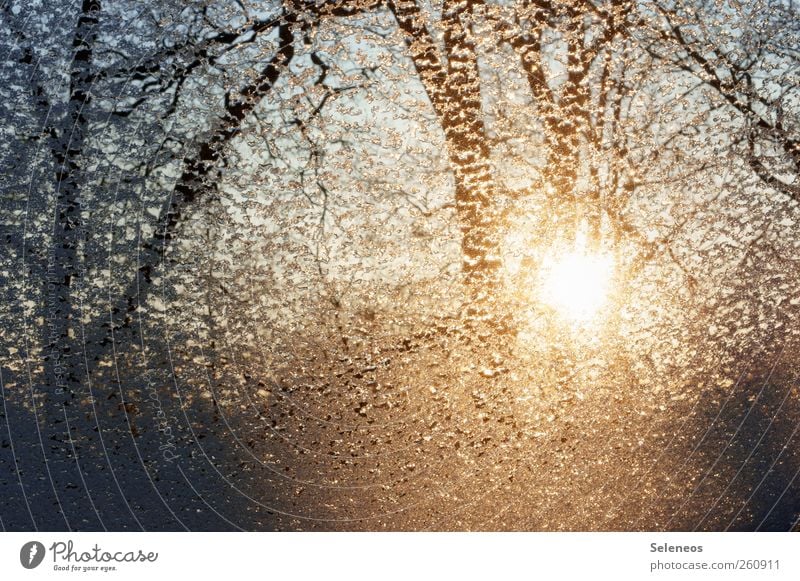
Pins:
<point x="576" y="284"/>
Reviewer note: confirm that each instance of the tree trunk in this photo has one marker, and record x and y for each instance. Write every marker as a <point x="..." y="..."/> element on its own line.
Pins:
<point x="63" y="270"/>
<point x="454" y="92"/>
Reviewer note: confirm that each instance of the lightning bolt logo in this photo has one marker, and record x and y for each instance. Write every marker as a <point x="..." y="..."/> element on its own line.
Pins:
<point x="31" y="554"/>
<point x="34" y="549"/>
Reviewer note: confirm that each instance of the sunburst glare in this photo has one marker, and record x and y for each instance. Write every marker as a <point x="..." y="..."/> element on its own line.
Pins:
<point x="576" y="284"/>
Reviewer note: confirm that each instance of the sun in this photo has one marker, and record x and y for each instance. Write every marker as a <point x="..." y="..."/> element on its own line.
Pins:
<point x="576" y="284"/>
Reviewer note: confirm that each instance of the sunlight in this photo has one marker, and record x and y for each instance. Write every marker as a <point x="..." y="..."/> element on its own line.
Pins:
<point x="576" y="284"/>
